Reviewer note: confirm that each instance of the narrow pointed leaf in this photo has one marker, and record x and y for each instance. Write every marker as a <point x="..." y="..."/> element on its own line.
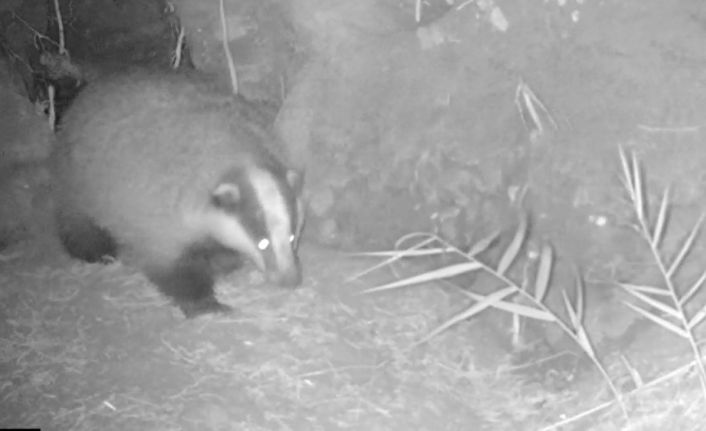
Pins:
<point x="437" y="274"/>
<point x="651" y="290"/>
<point x="573" y="317"/>
<point x="659" y="321"/>
<point x="514" y="248"/>
<point x="661" y="306"/>
<point x="639" y="192"/>
<point x="525" y="311"/>
<point x="579" y="297"/>
<point x="423" y="239"/>
<point x="415" y="250"/>
<point x="483" y="244"/>
<point x="661" y="220"/>
<point x="634" y="374"/>
<point x="698" y="317"/>
<point x="471" y="311"/>
<point x="693" y="289"/>
<point x="627" y="172"/>
<point x="686" y="247"/>
<point x="544" y="271"/>
<point x="394" y="255"/>
<point x="512" y="307"/>
<point x="585" y="342"/>
<point x="401" y="254"/>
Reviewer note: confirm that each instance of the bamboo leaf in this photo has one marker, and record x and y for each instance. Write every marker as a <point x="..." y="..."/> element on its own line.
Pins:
<point x="579" y="297"/>
<point x="489" y="300"/>
<point x="573" y="316"/>
<point x="514" y="248"/>
<point x="483" y="244"/>
<point x="627" y="172"/>
<point x="437" y="274"/>
<point x="639" y="191"/>
<point x="585" y="342"/>
<point x="634" y="374"/>
<point x="657" y="291"/>
<point x="525" y="311"/>
<point x="395" y="255"/>
<point x="661" y="220"/>
<point x="427" y="237"/>
<point x="512" y="307"/>
<point x="543" y="273"/>
<point x="693" y="289"/>
<point x="413" y="251"/>
<point x="661" y="306"/>
<point x="694" y="322"/>
<point x="659" y="321"/>
<point x="401" y="254"/>
<point x="686" y="247"/>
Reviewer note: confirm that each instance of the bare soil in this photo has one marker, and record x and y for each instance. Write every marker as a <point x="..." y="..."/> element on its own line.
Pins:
<point x="88" y="347"/>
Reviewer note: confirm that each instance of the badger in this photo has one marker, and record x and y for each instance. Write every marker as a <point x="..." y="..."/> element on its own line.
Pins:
<point x="161" y="174"/>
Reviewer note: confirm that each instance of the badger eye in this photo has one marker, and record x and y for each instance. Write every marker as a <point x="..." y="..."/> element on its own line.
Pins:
<point x="291" y="239"/>
<point x="263" y="244"/>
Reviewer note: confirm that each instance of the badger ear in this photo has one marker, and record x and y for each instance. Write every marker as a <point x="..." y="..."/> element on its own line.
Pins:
<point x="226" y="195"/>
<point x="295" y="179"/>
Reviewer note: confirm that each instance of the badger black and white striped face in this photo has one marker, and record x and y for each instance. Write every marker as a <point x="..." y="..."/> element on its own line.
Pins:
<point x="260" y="214"/>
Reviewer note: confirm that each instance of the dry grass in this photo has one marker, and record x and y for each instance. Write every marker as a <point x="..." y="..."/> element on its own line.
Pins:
<point x="524" y="299"/>
<point x="665" y="298"/>
<point x="89" y="347"/>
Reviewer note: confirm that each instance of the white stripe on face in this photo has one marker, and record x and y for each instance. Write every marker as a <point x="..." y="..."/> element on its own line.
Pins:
<point x="231" y="233"/>
<point x="285" y="268"/>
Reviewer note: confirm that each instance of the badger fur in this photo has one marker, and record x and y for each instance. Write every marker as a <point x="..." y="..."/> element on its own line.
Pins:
<point x="156" y="171"/>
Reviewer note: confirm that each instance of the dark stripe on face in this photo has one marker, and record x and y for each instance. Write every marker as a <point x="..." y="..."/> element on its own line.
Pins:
<point x="267" y="209"/>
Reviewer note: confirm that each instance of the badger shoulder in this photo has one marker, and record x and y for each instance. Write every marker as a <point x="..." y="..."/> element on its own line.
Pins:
<point x="142" y="154"/>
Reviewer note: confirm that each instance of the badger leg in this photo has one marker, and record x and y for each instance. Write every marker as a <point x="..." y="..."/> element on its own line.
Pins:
<point x="225" y="262"/>
<point x="221" y="260"/>
<point x="85" y="240"/>
<point x="188" y="282"/>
